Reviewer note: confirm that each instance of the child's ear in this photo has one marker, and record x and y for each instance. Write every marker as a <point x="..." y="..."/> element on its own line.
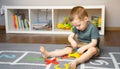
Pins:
<point x="86" y="19"/>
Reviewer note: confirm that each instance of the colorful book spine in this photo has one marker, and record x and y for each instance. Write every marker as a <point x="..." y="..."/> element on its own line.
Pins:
<point x="19" y="22"/>
<point x="14" y="19"/>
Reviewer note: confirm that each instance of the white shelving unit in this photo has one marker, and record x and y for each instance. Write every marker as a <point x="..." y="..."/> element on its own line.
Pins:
<point x="39" y="16"/>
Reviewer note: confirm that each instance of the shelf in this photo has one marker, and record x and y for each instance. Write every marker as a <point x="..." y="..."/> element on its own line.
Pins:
<point x="45" y="19"/>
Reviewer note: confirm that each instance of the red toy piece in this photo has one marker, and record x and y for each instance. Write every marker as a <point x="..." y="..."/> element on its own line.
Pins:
<point x="51" y="61"/>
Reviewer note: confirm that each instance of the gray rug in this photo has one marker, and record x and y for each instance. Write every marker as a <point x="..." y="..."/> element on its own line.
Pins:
<point x="27" y="56"/>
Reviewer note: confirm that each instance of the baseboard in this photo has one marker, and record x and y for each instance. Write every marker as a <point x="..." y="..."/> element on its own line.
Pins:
<point x="112" y="28"/>
<point x="2" y="27"/>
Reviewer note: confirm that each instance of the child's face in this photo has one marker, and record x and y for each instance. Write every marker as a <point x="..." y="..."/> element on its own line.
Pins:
<point x="80" y="24"/>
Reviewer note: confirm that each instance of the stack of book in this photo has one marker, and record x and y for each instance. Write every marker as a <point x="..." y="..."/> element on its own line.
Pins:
<point x="20" y="21"/>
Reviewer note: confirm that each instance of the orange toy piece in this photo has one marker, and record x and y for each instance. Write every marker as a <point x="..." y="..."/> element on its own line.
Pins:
<point x="75" y="55"/>
<point x="64" y="56"/>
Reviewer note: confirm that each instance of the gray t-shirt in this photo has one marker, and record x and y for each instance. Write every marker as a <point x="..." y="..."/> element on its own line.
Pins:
<point x="91" y="32"/>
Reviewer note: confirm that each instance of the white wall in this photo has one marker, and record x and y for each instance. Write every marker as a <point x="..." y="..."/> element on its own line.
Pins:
<point x="112" y="18"/>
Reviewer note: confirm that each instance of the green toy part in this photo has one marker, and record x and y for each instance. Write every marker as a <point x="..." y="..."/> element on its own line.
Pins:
<point x="67" y="25"/>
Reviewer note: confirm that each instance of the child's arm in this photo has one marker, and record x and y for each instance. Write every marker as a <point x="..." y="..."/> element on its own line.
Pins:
<point x="71" y="40"/>
<point x="93" y="43"/>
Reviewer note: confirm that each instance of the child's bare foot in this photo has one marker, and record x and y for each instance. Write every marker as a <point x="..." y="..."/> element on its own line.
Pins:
<point x="43" y="52"/>
<point x="72" y="64"/>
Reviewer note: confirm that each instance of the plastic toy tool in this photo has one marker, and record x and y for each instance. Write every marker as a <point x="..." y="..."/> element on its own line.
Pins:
<point x="66" y="66"/>
<point x="51" y="61"/>
<point x="75" y="55"/>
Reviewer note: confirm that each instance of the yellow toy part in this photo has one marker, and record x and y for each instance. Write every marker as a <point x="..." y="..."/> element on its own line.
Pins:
<point x="60" y="25"/>
<point x="75" y="55"/>
<point x="99" y="22"/>
<point x="66" y="66"/>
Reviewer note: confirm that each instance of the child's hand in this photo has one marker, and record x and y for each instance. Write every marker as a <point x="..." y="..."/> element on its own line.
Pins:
<point x="72" y="64"/>
<point x="82" y="49"/>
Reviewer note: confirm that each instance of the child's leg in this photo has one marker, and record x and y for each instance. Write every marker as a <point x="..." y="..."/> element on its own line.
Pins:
<point x="84" y="57"/>
<point x="88" y="54"/>
<point x="55" y="53"/>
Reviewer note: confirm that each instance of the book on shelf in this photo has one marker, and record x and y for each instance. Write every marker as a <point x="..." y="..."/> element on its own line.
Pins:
<point x="19" y="21"/>
<point x="14" y="19"/>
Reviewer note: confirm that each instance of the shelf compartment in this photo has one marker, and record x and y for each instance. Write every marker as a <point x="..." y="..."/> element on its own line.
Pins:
<point x="61" y="20"/>
<point x="41" y="19"/>
<point x="94" y="16"/>
<point x="18" y="19"/>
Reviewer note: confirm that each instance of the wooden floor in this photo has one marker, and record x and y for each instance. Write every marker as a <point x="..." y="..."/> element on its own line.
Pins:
<point x="111" y="38"/>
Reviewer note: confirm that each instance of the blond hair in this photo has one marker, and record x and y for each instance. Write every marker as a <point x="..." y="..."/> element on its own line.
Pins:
<point x="78" y="11"/>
